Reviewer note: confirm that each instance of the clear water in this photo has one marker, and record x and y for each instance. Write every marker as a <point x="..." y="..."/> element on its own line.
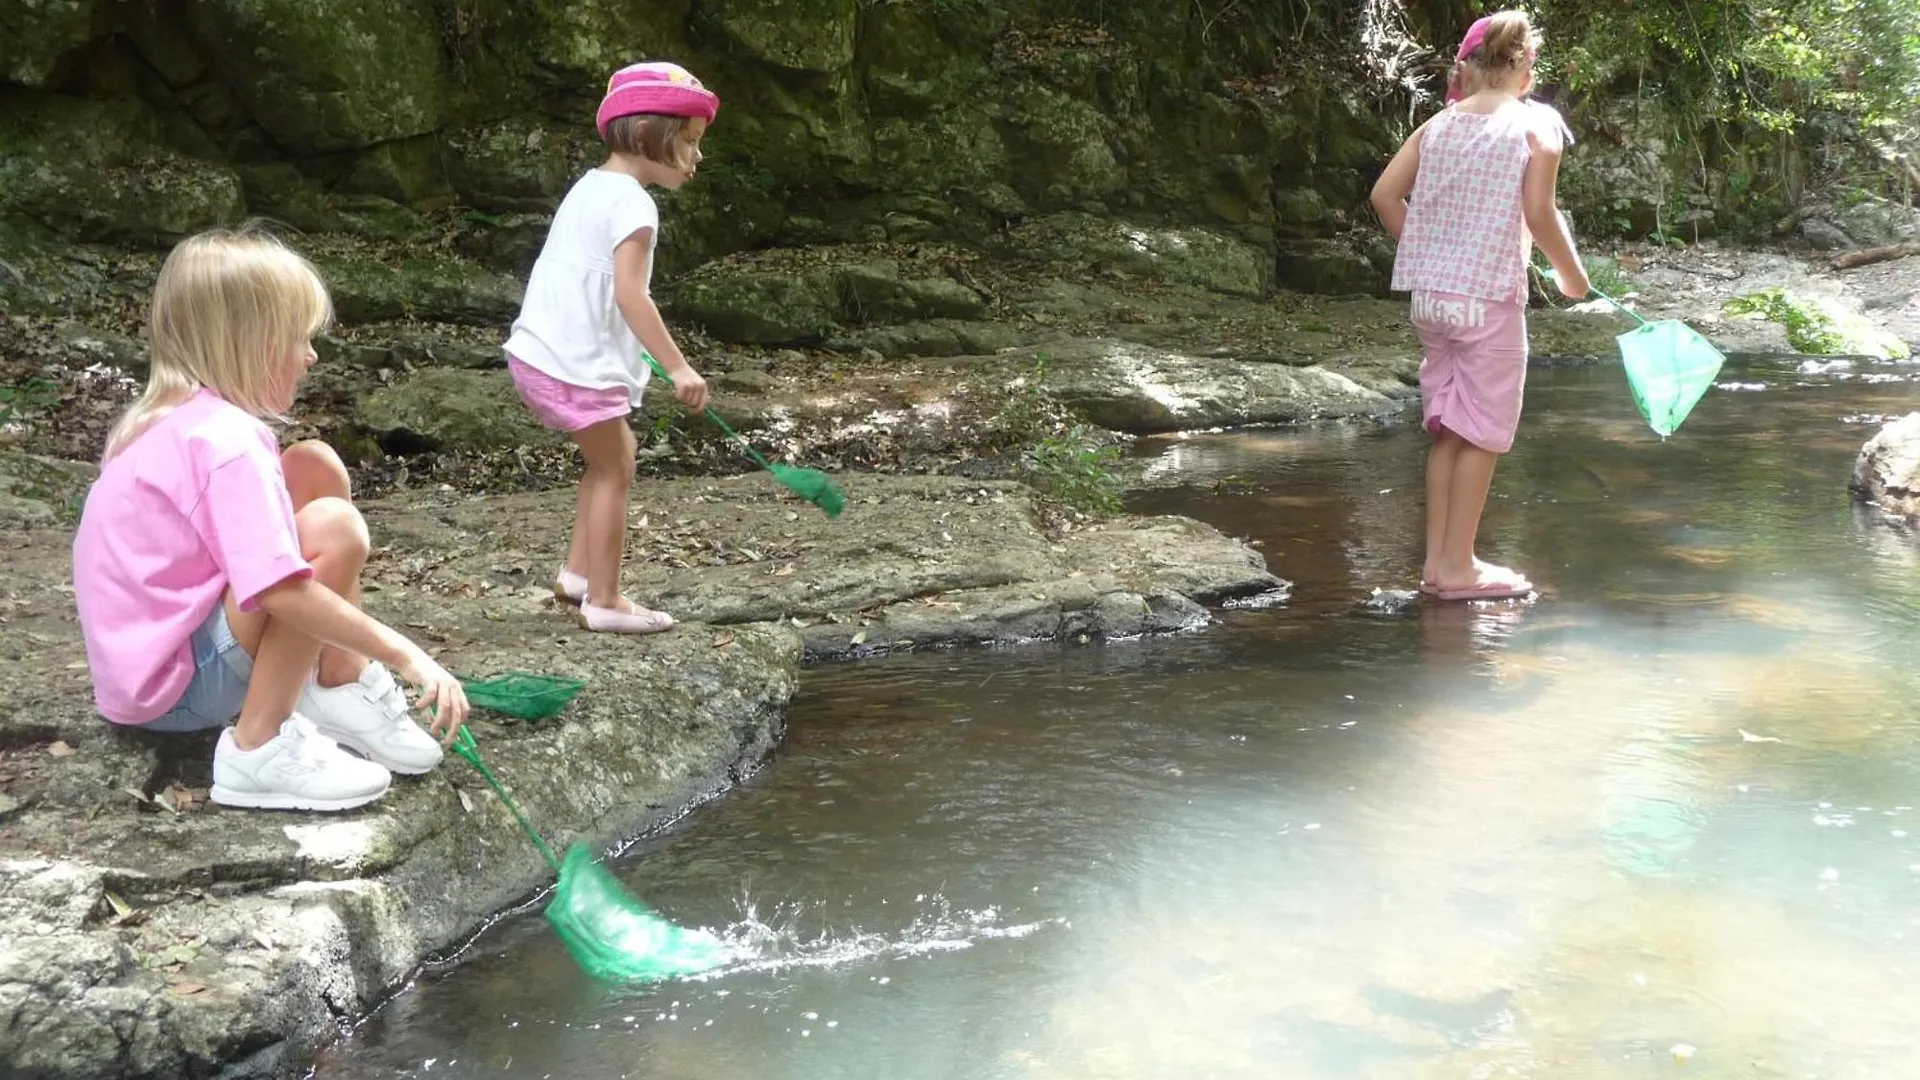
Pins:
<point x="1659" y="822"/>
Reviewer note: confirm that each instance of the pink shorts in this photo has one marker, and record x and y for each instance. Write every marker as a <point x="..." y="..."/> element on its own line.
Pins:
<point x="564" y="406"/>
<point x="1474" y="372"/>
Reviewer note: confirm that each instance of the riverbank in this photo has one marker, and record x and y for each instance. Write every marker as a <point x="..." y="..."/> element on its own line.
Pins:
<point x="143" y="928"/>
<point x="148" y="933"/>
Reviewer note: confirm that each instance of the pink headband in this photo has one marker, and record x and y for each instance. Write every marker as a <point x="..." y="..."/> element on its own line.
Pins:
<point x="656" y="87"/>
<point x="1476" y="37"/>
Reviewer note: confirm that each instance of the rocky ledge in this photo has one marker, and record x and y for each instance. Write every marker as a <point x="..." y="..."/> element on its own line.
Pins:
<point x="144" y="932"/>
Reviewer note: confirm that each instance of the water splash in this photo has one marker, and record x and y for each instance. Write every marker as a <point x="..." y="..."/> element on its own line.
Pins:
<point x="782" y="937"/>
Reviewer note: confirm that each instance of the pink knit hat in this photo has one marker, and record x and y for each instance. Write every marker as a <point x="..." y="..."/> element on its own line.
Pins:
<point x="655" y="87"/>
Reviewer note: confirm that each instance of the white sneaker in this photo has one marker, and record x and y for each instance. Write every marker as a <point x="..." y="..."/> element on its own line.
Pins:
<point x="298" y="769"/>
<point x="370" y="716"/>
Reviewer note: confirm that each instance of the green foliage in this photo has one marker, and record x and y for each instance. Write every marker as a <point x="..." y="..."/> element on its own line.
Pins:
<point x="1808" y="328"/>
<point x="26" y="399"/>
<point x="1605" y="275"/>
<point x="1824" y="73"/>
<point x="1077" y="468"/>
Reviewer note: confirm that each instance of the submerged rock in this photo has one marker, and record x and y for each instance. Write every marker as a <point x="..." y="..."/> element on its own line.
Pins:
<point x="1887" y="472"/>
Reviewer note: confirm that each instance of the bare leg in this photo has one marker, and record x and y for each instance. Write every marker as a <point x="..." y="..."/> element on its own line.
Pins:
<point x="333" y="537"/>
<point x="1466" y="498"/>
<point x="1440" y="464"/>
<point x="314" y="471"/>
<point x="582" y="509"/>
<point x="601" y="525"/>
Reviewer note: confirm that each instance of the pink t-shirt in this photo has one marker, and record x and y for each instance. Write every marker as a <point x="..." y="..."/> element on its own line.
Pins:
<point x="1466" y="230"/>
<point x="195" y="506"/>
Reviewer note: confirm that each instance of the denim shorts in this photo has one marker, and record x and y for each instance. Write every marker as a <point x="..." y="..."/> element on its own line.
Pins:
<point x="221" y="669"/>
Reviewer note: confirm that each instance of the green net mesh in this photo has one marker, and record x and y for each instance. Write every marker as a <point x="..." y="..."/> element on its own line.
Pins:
<point x="812" y="485"/>
<point x="1669" y="368"/>
<point x="523" y="695"/>
<point x="615" y="936"/>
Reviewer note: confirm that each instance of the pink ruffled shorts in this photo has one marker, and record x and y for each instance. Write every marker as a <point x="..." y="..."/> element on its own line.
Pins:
<point x="564" y="406"/>
<point x="1474" y="371"/>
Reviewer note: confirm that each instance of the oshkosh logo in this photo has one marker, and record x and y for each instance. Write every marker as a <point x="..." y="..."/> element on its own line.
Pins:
<point x="1467" y="311"/>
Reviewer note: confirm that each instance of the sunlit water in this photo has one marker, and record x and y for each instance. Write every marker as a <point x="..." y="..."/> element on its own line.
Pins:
<point x="1657" y="822"/>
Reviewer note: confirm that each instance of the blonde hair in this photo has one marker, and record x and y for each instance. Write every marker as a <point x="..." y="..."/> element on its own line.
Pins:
<point x="1510" y="45"/>
<point x="229" y="311"/>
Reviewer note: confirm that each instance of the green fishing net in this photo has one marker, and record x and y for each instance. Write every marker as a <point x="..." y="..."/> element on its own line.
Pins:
<point x="608" y="930"/>
<point x="615" y="936"/>
<point x="811" y="485"/>
<point x="523" y="695"/>
<point x="1669" y="369"/>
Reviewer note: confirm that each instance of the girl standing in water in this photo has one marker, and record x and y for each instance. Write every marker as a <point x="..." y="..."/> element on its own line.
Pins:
<point x="1482" y="178"/>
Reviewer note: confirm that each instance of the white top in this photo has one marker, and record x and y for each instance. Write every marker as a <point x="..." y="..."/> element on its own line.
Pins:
<point x="569" y="326"/>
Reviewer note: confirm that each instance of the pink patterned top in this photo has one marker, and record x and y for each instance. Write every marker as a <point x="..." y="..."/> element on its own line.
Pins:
<point x="1466" y="233"/>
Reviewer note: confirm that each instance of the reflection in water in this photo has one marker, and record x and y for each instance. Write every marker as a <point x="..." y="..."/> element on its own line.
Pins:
<point x="1655" y="822"/>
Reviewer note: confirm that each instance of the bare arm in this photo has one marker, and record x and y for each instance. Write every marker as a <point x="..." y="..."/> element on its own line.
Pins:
<point x="1538" y="198"/>
<point x="313" y="609"/>
<point x="1395" y="186"/>
<point x="643" y="316"/>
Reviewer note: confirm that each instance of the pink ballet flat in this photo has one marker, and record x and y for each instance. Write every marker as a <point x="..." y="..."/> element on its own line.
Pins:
<point x="634" y="620"/>
<point x="569" y="587"/>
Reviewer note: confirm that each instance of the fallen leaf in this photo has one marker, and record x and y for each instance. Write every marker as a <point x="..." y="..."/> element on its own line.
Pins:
<point x="725" y="639"/>
<point x="785" y="571"/>
<point x="860" y="638"/>
<point x="264" y="941"/>
<point x="138" y="795"/>
<point x="466" y="802"/>
<point x="61" y="749"/>
<point x="121" y="909"/>
<point x="187" y="988"/>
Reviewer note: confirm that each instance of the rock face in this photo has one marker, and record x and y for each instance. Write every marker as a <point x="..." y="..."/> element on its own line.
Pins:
<point x="1887" y="473"/>
<point x="144" y="933"/>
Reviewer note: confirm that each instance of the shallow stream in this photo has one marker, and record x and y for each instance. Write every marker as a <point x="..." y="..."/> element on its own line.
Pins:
<point x="1657" y="822"/>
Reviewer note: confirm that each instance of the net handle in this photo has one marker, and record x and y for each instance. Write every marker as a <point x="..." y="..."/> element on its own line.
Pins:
<point x="713" y="416"/>
<point x="1549" y="273"/>
<point x="467" y="748"/>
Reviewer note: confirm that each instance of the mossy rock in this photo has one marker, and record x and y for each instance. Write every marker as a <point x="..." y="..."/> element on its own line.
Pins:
<point x="1331" y="267"/>
<point x="38" y="33"/>
<point x="518" y="165"/>
<point x="282" y="192"/>
<point x="595" y="38"/>
<point x="448" y="410"/>
<point x="799" y="35"/>
<point x="41" y="491"/>
<point x="876" y="292"/>
<point x="1177" y="256"/>
<point x="93" y="170"/>
<point x="428" y="290"/>
<point x="1061" y="143"/>
<point x="761" y="307"/>
<point x="324" y="75"/>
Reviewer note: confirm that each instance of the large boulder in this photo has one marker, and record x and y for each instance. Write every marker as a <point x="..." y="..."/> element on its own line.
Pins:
<point x="1135" y="388"/>
<point x="97" y="170"/>
<point x="799" y="35"/>
<point x="38" y="33"/>
<point x="325" y="75"/>
<point x="429" y="290"/>
<point x="1199" y="257"/>
<point x="761" y="307"/>
<point x="449" y="410"/>
<point x="1887" y="472"/>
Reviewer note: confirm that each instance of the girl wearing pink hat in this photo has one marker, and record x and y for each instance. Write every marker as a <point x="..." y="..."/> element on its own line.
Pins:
<point x="575" y="350"/>
<point x="1481" y="177"/>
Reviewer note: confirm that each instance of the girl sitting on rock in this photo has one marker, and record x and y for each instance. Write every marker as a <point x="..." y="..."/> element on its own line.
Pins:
<point x="575" y="350"/>
<point x="218" y="578"/>
<point x="1482" y="177"/>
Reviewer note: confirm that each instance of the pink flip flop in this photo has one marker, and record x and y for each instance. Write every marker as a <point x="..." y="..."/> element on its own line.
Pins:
<point x="638" y="620"/>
